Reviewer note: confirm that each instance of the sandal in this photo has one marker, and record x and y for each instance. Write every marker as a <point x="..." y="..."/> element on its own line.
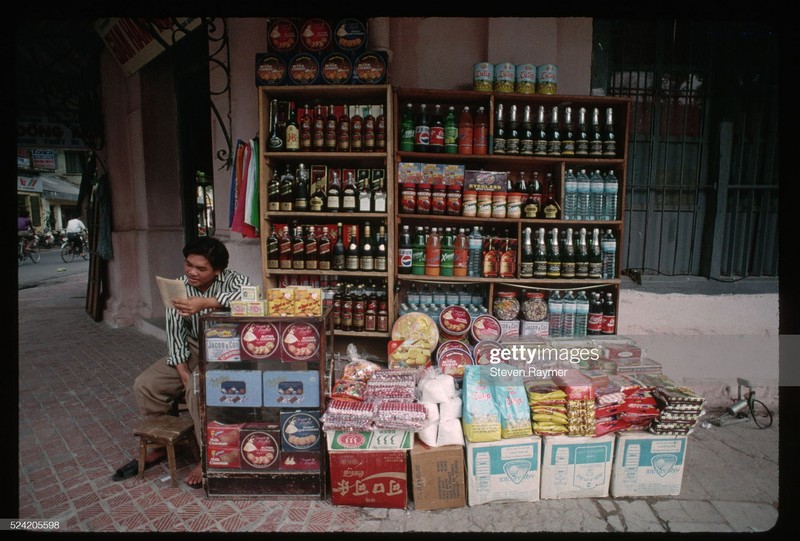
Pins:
<point x="132" y="468"/>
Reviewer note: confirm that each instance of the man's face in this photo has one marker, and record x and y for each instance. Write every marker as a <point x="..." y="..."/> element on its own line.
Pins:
<point x="199" y="271"/>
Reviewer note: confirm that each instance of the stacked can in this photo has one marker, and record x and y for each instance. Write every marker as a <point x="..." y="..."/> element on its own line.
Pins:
<point x="547" y="76"/>
<point x="482" y="76"/>
<point x="504" y="75"/>
<point x="526" y="78"/>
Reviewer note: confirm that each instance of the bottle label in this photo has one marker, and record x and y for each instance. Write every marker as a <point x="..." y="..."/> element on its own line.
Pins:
<point x="316" y="204"/>
<point x="581" y="269"/>
<point x="567" y="270"/>
<point x="422" y="135"/>
<point x="609" y="324"/>
<point x="292" y="138"/>
<point x="594" y="324"/>
<point x="554" y="269"/>
<point x="595" y="269"/>
<point x="349" y="202"/>
<point x="437" y="136"/>
<point x="367" y="263"/>
<point x="550" y="211"/>
<point x="418" y="260"/>
<point x="540" y="269"/>
<point x="581" y="147"/>
<point x="609" y="148"/>
<point x="554" y="148"/>
<point x="451" y="140"/>
<point x="526" y="269"/>
<point x="446" y="262"/>
<point x="465" y="140"/>
<point x="351" y="262"/>
<point x="404" y="259"/>
<point x="433" y="259"/>
<point x="380" y="263"/>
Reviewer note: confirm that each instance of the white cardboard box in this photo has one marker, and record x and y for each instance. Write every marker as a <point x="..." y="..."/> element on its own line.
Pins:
<point x="648" y="464"/>
<point x="503" y="470"/>
<point x="576" y="466"/>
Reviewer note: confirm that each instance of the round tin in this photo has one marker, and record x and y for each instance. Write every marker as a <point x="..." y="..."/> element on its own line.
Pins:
<point x="282" y="36"/>
<point x="454" y="322"/>
<point x="504" y="75"/>
<point x="482" y="352"/>
<point x="300" y="341"/>
<point x="336" y="69"/>
<point x="303" y="69"/>
<point x="270" y="69"/>
<point x="260" y="450"/>
<point x="482" y="76"/>
<point x="316" y="35"/>
<point x="350" y="34"/>
<point x="452" y="362"/>
<point x="547" y="79"/>
<point x="485" y="327"/>
<point x="525" y="78"/>
<point x="370" y="68"/>
<point x="259" y="340"/>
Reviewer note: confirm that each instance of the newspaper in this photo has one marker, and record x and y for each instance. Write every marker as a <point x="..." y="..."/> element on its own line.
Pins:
<point x="170" y="289"/>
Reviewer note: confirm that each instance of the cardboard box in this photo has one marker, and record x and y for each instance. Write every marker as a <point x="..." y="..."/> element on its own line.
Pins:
<point x="409" y="172"/>
<point x="648" y="464"/>
<point x="280" y="301"/>
<point x="223" y="457"/>
<point x="369" y="478"/>
<point x="576" y="467"/>
<point x="291" y="388"/>
<point x="373" y="440"/>
<point x="222" y="435"/>
<point x="438" y="478"/>
<point x="504" y="470"/>
<point x="260" y="446"/>
<point x="301" y="461"/>
<point x="233" y="388"/>
<point x="534" y="328"/>
<point x="223" y="349"/>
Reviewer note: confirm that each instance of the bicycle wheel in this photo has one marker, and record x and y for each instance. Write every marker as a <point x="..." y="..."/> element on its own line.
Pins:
<point x="34" y="254"/>
<point x="84" y="253"/>
<point x="20" y="257"/>
<point x="67" y="254"/>
<point x="761" y="414"/>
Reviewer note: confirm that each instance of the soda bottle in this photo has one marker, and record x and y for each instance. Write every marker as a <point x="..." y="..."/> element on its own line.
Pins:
<point x="433" y="254"/>
<point x="437" y="130"/>
<point x="594" y="325"/>
<point x="465" y="136"/>
<point x="404" y="251"/>
<point x="555" y="309"/>
<point x="407" y="130"/>
<point x="609" y="325"/>
<point x="450" y="132"/>
<point x="418" y="252"/>
<point x="480" y="132"/>
<point x="422" y="130"/>
<point x="447" y="244"/>
<point x="461" y="254"/>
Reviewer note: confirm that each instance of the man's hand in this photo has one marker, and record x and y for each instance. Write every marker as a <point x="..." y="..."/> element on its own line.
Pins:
<point x="183" y="372"/>
<point x="192" y="305"/>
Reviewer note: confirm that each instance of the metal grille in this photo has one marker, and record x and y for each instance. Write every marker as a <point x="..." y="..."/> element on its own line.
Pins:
<point x="702" y="181"/>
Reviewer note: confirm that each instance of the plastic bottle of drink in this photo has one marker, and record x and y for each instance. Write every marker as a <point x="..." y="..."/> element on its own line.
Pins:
<point x="451" y="295"/>
<point x="584" y="187"/>
<point x="426" y="295"/>
<point x="475" y="247"/>
<point x="433" y="253"/>
<point x="412" y="297"/>
<point x="450" y="132"/>
<point x="570" y="195"/>
<point x="608" y="247"/>
<point x="404" y="251"/>
<point x="464" y="295"/>
<point x="461" y="254"/>
<point x="480" y="132"/>
<point x="422" y="130"/>
<point x="594" y="324"/>
<point x="555" y="309"/>
<point x="568" y="314"/>
<point x="447" y="248"/>
<point x="465" y="131"/>
<point x="418" y="252"/>
<point x="407" y="130"/>
<point x="596" y="187"/>
<point x="439" y="295"/>
<point x="581" y="313"/>
<point x="609" y="325"/>
<point x="610" y="195"/>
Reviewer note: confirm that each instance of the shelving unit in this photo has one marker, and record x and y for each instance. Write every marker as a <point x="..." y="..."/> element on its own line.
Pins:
<point x="258" y="408"/>
<point x="513" y="163"/>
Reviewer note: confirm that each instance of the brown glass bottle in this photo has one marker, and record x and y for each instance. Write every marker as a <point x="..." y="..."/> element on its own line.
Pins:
<point x="324" y="250"/>
<point x="318" y="129"/>
<point x="343" y="131"/>
<point x="331" y="130"/>
<point x="285" y="249"/>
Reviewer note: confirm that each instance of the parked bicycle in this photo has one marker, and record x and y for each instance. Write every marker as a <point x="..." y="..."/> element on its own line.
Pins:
<point x="72" y="249"/>
<point x="744" y="408"/>
<point x="31" y="253"/>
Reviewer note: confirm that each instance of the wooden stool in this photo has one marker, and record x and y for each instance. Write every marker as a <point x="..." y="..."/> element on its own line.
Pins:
<point x="165" y="430"/>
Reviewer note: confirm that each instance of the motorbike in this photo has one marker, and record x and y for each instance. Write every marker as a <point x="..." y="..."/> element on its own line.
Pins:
<point x="46" y="239"/>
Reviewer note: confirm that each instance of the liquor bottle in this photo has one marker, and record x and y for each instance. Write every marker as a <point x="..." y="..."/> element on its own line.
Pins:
<point x="331" y="130"/>
<point x="582" y="256"/>
<point x="461" y="253"/>
<point x="334" y="200"/>
<point x="301" y="189"/>
<point x="298" y="249"/>
<point x="555" y="311"/>
<point x="379" y="197"/>
<point x="550" y="203"/>
<point x="596" y="189"/>
<point x="422" y="130"/>
<point x="553" y="256"/>
<point x="608" y="248"/>
<point x="366" y="255"/>
<point x="475" y="247"/>
<point x="499" y="136"/>
<point x="568" y="134"/>
<point x="380" y="131"/>
<point x="343" y="131"/>
<point x="595" y="135"/>
<point x="526" y="133"/>
<point x="318" y="201"/>
<point x="569" y="308"/>
<point x="521" y="188"/>
<point x="352" y="254"/>
<point x="447" y="253"/>
<point x="418" y="252"/>
<point x="433" y="253"/>
<point x="356" y="130"/>
<point x="364" y="198"/>
<point x="512" y="139"/>
<point x="570" y="195"/>
<point x="338" y="258"/>
<point x="540" y="134"/>
<point x="311" y="249"/>
<point x="368" y="140"/>
<point x="609" y="325"/>
<point x="594" y="323"/>
<point x="584" y="196"/>
<point x="610" y="195"/>
<point x="306" y="129"/>
<point x="540" y="256"/>
<point x="292" y="131"/>
<point x="276" y="136"/>
<point x="507" y="260"/>
<point x="371" y="312"/>
<point x="450" y="132"/>
<point x="381" y="251"/>
<point x="437" y="130"/>
<point x="273" y="250"/>
<point x="274" y="191"/>
<point x="347" y="308"/>
<point x="581" y="313"/>
<point x="287" y="190"/>
<point x="465" y="136"/>
<point x="581" y="135"/>
<point x="349" y="194"/>
<point x="609" y="140"/>
<point x="595" y="256"/>
<point x="318" y="130"/>
<point x="554" y="134"/>
<point x="285" y="249"/>
<point x="480" y="132"/>
<point x="490" y="263"/>
<point x="383" y="314"/>
<point x="526" y="258"/>
<point x="568" y="255"/>
<point x="533" y="204"/>
<point x="407" y="126"/>
<point x="324" y="249"/>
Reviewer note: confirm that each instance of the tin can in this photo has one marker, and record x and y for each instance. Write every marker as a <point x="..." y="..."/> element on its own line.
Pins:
<point x="504" y="75"/>
<point x="482" y="76"/>
<point x="526" y="79"/>
<point x="547" y="79"/>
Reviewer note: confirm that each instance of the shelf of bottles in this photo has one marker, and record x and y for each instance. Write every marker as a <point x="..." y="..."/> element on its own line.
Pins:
<point x="546" y="209"/>
<point x="326" y="210"/>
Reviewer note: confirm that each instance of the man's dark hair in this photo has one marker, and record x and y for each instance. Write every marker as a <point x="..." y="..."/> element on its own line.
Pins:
<point x="210" y="248"/>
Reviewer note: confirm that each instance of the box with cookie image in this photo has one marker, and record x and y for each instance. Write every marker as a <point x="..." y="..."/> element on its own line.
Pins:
<point x="233" y="388"/>
<point x="300" y="430"/>
<point x="291" y="388"/>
